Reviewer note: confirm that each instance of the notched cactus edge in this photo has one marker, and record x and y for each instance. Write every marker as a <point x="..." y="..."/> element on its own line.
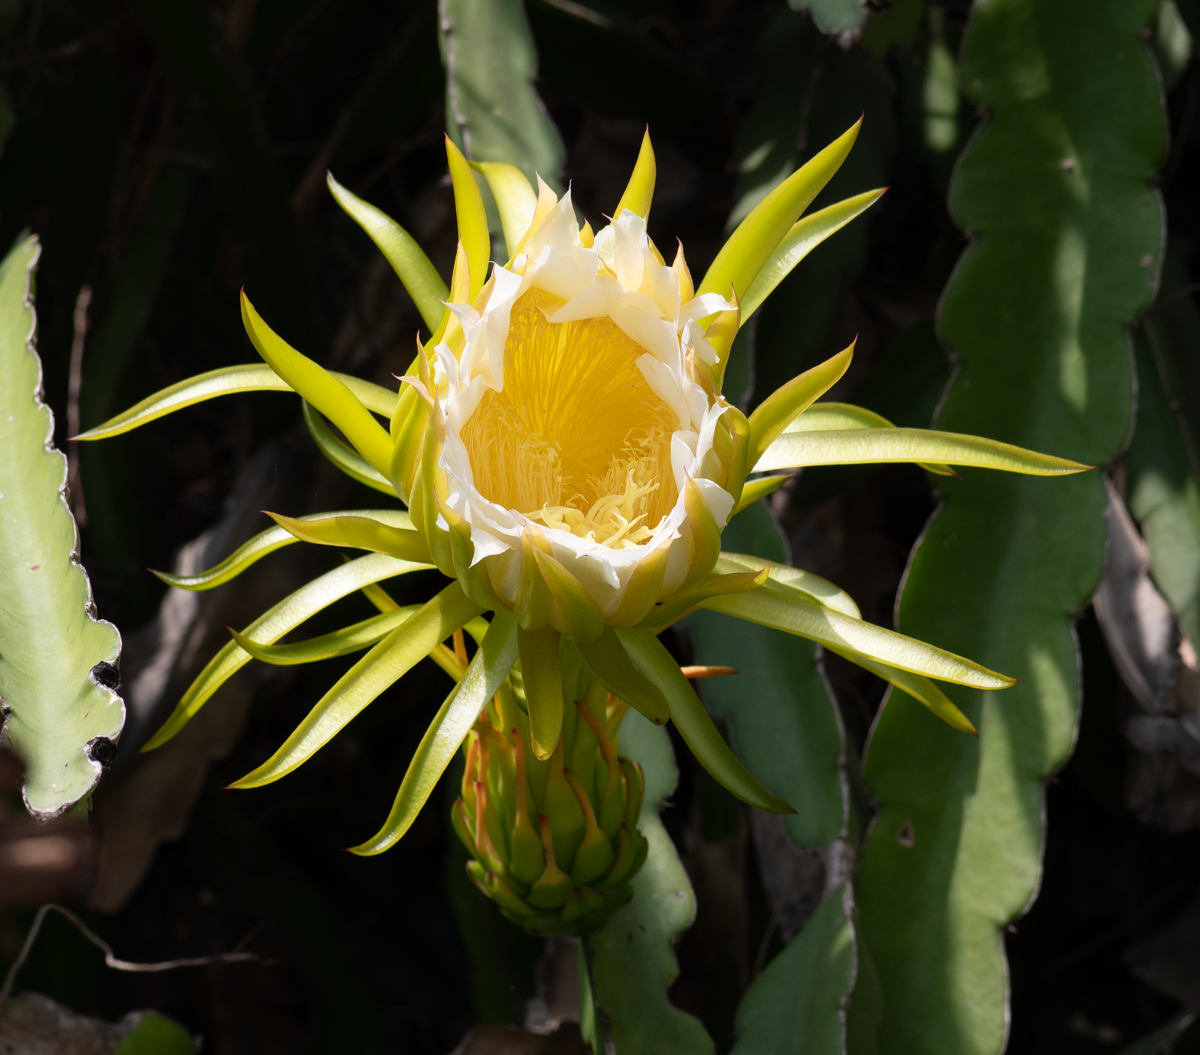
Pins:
<point x="58" y="662"/>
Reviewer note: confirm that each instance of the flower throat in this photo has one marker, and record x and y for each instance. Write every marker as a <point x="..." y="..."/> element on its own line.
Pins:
<point x="578" y="439"/>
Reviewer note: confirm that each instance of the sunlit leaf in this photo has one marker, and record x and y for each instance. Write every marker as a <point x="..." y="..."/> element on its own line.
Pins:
<point x="773" y="415"/>
<point x="802" y="239"/>
<point x="515" y="198"/>
<point x="694" y="724"/>
<point x="273" y="624"/>
<point x="227" y="381"/>
<point x="834" y="417"/>
<point x="918" y="687"/>
<point x="639" y="192"/>
<point x="781" y="575"/>
<point x="758" y="488"/>
<point x="797" y="615"/>
<point x="342" y="642"/>
<point x="356" y="531"/>
<point x="324" y="391"/>
<point x="268" y="542"/>
<point x="472" y="220"/>
<point x="491" y="664"/>
<point x="385" y="664"/>
<point x="793" y="450"/>
<point x="758" y="236"/>
<point x="345" y="458"/>
<point x="407" y="258"/>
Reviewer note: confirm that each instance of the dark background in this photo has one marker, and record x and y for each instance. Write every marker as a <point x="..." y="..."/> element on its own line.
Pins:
<point x="170" y="152"/>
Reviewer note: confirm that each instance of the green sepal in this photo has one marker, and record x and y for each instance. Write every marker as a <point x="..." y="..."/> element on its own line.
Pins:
<point x="639" y="191"/>
<point x="643" y="589"/>
<point x="486" y="672"/>
<point x="346" y="458"/>
<point x="611" y="795"/>
<point x="795" y="614"/>
<point x="804" y="236"/>
<point x="473" y="577"/>
<point x="408" y="434"/>
<point x="759" y="234"/>
<point x="353" y="638"/>
<point x="773" y="415"/>
<point x="635" y="790"/>
<point x="918" y="687"/>
<point x="324" y="391"/>
<point x="694" y="723"/>
<point x="357" y="532"/>
<point x="679" y="604"/>
<point x="595" y="854"/>
<point x="273" y="624"/>
<point x="407" y="258"/>
<point x="563" y="812"/>
<point x="706" y="533"/>
<point x="528" y="859"/>
<point x="228" y="381"/>
<point x="463" y="829"/>
<point x="572" y="609"/>
<point x="632" y="850"/>
<point x="387" y="661"/>
<point x="857" y="446"/>
<point x="268" y="542"/>
<point x="498" y="890"/>
<point x="515" y="198"/>
<point x="626" y="855"/>
<point x="582" y="902"/>
<point x="534" y="604"/>
<point x="720" y="335"/>
<point x="541" y="666"/>
<point x="429" y="488"/>
<point x="608" y="660"/>
<point x="753" y="490"/>
<point x="551" y="888"/>
<point x="472" y="218"/>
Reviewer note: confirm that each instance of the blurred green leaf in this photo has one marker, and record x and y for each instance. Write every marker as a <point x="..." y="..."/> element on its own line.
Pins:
<point x="155" y="1035"/>
<point x="1056" y="190"/>
<point x="1162" y="492"/>
<point x="895" y="28"/>
<point x="631" y="957"/>
<point x="795" y="327"/>
<point x="834" y="16"/>
<point x="1172" y="42"/>
<point x="493" y="111"/>
<point x="768" y="139"/>
<point x="795" y="1006"/>
<point x="57" y="661"/>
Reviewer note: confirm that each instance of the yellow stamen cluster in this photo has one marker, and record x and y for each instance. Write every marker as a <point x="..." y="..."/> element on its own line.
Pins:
<point x="577" y="439"/>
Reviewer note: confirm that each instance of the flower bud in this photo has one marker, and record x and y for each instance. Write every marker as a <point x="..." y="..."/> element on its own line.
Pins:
<point x="554" y="843"/>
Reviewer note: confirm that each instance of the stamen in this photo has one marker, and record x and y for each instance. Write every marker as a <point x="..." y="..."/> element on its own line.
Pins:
<point x="578" y="440"/>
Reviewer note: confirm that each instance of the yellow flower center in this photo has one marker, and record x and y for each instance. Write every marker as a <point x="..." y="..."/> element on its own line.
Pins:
<point x="578" y="439"/>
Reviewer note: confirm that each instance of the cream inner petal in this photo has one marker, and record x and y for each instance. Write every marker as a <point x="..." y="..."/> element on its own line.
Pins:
<point x="577" y="439"/>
